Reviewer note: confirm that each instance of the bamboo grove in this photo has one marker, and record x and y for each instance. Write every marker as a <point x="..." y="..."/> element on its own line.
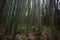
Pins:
<point x="24" y="15"/>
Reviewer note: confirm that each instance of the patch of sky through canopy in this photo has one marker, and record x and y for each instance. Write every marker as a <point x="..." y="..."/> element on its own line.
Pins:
<point x="59" y="5"/>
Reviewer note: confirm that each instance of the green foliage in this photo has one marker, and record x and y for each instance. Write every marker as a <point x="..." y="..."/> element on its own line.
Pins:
<point x="54" y="32"/>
